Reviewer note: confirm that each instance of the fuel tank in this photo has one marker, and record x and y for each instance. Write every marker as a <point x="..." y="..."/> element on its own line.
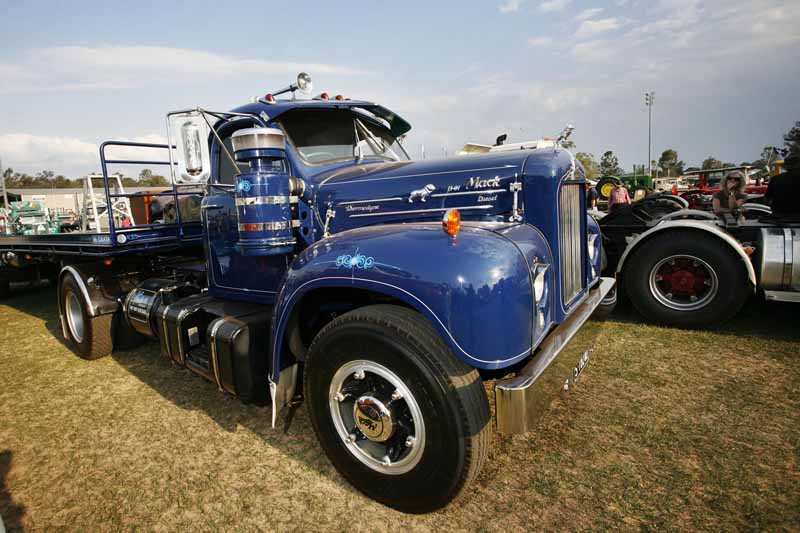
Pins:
<point x="375" y="193"/>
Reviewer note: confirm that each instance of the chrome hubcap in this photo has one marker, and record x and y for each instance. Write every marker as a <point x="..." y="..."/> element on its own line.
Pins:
<point x="74" y="317"/>
<point x="377" y="417"/>
<point x="683" y="282"/>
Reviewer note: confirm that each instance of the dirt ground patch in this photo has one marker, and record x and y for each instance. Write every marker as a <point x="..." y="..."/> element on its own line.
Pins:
<point x="668" y="430"/>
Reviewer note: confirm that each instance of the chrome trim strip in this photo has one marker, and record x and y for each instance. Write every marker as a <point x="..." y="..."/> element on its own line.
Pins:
<point x="413" y="211"/>
<point x="787" y="257"/>
<point x="521" y="400"/>
<point x="325" y="182"/>
<point x="782" y="296"/>
<point x="270" y="226"/>
<point x="178" y="323"/>
<point x="354" y="202"/>
<point x="488" y="191"/>
<point x="165" y="332"/>
<point x="266" y="200"/>
<point x="214" y="362"/>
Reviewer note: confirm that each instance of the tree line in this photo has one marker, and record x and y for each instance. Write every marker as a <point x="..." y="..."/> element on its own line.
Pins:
<point x="669" y="165"/>
<point x="47" y="179"/>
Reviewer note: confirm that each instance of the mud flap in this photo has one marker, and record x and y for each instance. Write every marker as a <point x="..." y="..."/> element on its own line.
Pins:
<point x="283" y="391"/>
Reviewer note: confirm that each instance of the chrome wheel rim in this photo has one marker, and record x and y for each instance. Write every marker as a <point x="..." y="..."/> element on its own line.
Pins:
<point x="377" y="417"/>
<point x="683" y="282"/>
<point x="74" y="317"/>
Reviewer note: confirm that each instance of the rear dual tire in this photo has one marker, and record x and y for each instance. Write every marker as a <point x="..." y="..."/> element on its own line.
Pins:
<point x="686" y="279"/>
<point x="392" y="360"/>
<point x="90" y="337"/>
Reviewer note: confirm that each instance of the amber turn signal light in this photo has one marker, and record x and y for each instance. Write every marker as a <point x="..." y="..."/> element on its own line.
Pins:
<point x="451" y="222"/>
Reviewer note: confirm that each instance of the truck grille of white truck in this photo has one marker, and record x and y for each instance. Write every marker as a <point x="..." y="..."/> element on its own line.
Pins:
<point x="571" y="238"/>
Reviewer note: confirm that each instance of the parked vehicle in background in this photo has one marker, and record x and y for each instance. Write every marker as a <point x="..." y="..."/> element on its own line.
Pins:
<point x="704" y="183"/>
<point x="691" y="268"/>
<point x="385" y="289"/>
<point x="638" y="185"/>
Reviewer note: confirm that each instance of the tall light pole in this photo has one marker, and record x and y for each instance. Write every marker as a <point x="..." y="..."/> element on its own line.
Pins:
<point x="649" y="100"/>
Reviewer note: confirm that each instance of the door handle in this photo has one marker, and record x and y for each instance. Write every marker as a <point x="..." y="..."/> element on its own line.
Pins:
<point x="210" y="206"/>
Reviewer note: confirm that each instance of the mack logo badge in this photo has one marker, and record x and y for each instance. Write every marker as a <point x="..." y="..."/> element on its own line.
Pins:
<point x="367" y="423"/>
<point x="244" y="186"/>
<point x="479" y="183"/>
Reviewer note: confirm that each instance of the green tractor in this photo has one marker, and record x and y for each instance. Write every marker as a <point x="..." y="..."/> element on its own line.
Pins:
<point x="638" y="185"/>
<point x="32" y="217"/>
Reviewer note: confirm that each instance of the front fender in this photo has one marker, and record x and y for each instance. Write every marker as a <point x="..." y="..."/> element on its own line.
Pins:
<point x="475" y="289"/>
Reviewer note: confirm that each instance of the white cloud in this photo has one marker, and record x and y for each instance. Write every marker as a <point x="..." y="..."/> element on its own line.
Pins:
<point x="80" y="68"/>
<point x="539" y="42"/>
<point x="590" y="13"/>
<point x="74" y="157"/>
<point x="510" y="6"/>
<point x="34" y="151"/>
<point x="550" y="6"/>
<point x="589" y="28"/>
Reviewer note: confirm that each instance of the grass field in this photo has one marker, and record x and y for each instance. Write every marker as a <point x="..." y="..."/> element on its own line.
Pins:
<point x="668" y="430"/>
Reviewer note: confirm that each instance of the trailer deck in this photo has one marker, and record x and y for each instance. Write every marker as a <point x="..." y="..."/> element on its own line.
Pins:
<point x="110" y="238"/>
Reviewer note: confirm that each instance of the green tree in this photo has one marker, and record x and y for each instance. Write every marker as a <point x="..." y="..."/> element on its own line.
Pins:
<point x="792" y="142"/>
<point x="710" y="163"/>
<point x="609" y="164"/>
<point x="589" y="164"/>
<point x="669" y="163"/>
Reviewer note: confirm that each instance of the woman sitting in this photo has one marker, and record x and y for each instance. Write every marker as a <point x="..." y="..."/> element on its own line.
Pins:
<point x="731" y="197"/>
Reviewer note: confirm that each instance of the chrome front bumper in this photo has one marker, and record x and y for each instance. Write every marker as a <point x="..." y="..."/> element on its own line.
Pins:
<point x="556" y="365"/>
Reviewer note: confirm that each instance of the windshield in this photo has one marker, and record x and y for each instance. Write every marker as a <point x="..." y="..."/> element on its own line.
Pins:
<point x="327" y="135"/>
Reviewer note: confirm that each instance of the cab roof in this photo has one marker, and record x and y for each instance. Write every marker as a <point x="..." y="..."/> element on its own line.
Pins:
<point x="397" y="124"/>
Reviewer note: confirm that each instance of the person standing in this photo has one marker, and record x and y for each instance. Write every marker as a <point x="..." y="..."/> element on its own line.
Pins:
<point x="591" y="196"/>
<point x="619" y="195"/>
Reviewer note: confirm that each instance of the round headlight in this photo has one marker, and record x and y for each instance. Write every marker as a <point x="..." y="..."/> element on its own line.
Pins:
<point x="304" y="83"/>
<point x="592" y="242"/>
<point x="539" y="280"/>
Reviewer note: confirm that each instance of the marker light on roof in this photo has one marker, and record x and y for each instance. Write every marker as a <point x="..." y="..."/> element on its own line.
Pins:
<point x="269" y="98"/>
<point x="339" y="97"/>
<point x="324" y="96"/>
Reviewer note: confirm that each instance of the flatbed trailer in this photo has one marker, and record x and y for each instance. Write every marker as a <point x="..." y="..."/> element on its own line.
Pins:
<point x="29" y="258"/>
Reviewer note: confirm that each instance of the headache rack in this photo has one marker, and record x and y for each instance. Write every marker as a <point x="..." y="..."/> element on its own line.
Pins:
<point x="107" y="223"/>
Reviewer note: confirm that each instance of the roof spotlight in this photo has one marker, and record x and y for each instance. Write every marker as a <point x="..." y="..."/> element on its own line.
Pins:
<point x="304" y="83"/>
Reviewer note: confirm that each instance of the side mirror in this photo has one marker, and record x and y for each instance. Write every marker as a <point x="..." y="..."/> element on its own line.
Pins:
<point x="188" y="132"/>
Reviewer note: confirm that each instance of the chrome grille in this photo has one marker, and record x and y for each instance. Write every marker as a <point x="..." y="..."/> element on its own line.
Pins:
<point x="571" y="240"/>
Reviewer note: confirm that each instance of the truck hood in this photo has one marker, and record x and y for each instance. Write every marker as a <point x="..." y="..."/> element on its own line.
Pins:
<point x="372" y="193"/>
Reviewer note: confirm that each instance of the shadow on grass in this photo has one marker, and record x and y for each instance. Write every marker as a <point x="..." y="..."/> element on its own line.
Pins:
<point x="758" y="318"/>
<point x="11" y="513"/>
<point x="293" y="435"/>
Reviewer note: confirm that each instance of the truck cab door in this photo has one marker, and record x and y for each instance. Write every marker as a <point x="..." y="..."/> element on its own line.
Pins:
<point x="231" y="274"/>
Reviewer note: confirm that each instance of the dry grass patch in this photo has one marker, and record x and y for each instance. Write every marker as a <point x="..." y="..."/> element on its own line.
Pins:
<point x="669" y="429"/>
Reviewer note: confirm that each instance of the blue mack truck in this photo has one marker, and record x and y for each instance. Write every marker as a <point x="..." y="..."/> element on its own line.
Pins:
<point x="382" y="291"/>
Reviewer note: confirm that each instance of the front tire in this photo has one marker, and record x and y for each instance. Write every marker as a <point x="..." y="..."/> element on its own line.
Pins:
<point x="686" y="279"/>
<point x="90" y="337"/>
<point x="399" y="416"/>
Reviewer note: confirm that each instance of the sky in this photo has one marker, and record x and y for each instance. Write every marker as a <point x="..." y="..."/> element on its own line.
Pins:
<point x="725" y="73"/>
